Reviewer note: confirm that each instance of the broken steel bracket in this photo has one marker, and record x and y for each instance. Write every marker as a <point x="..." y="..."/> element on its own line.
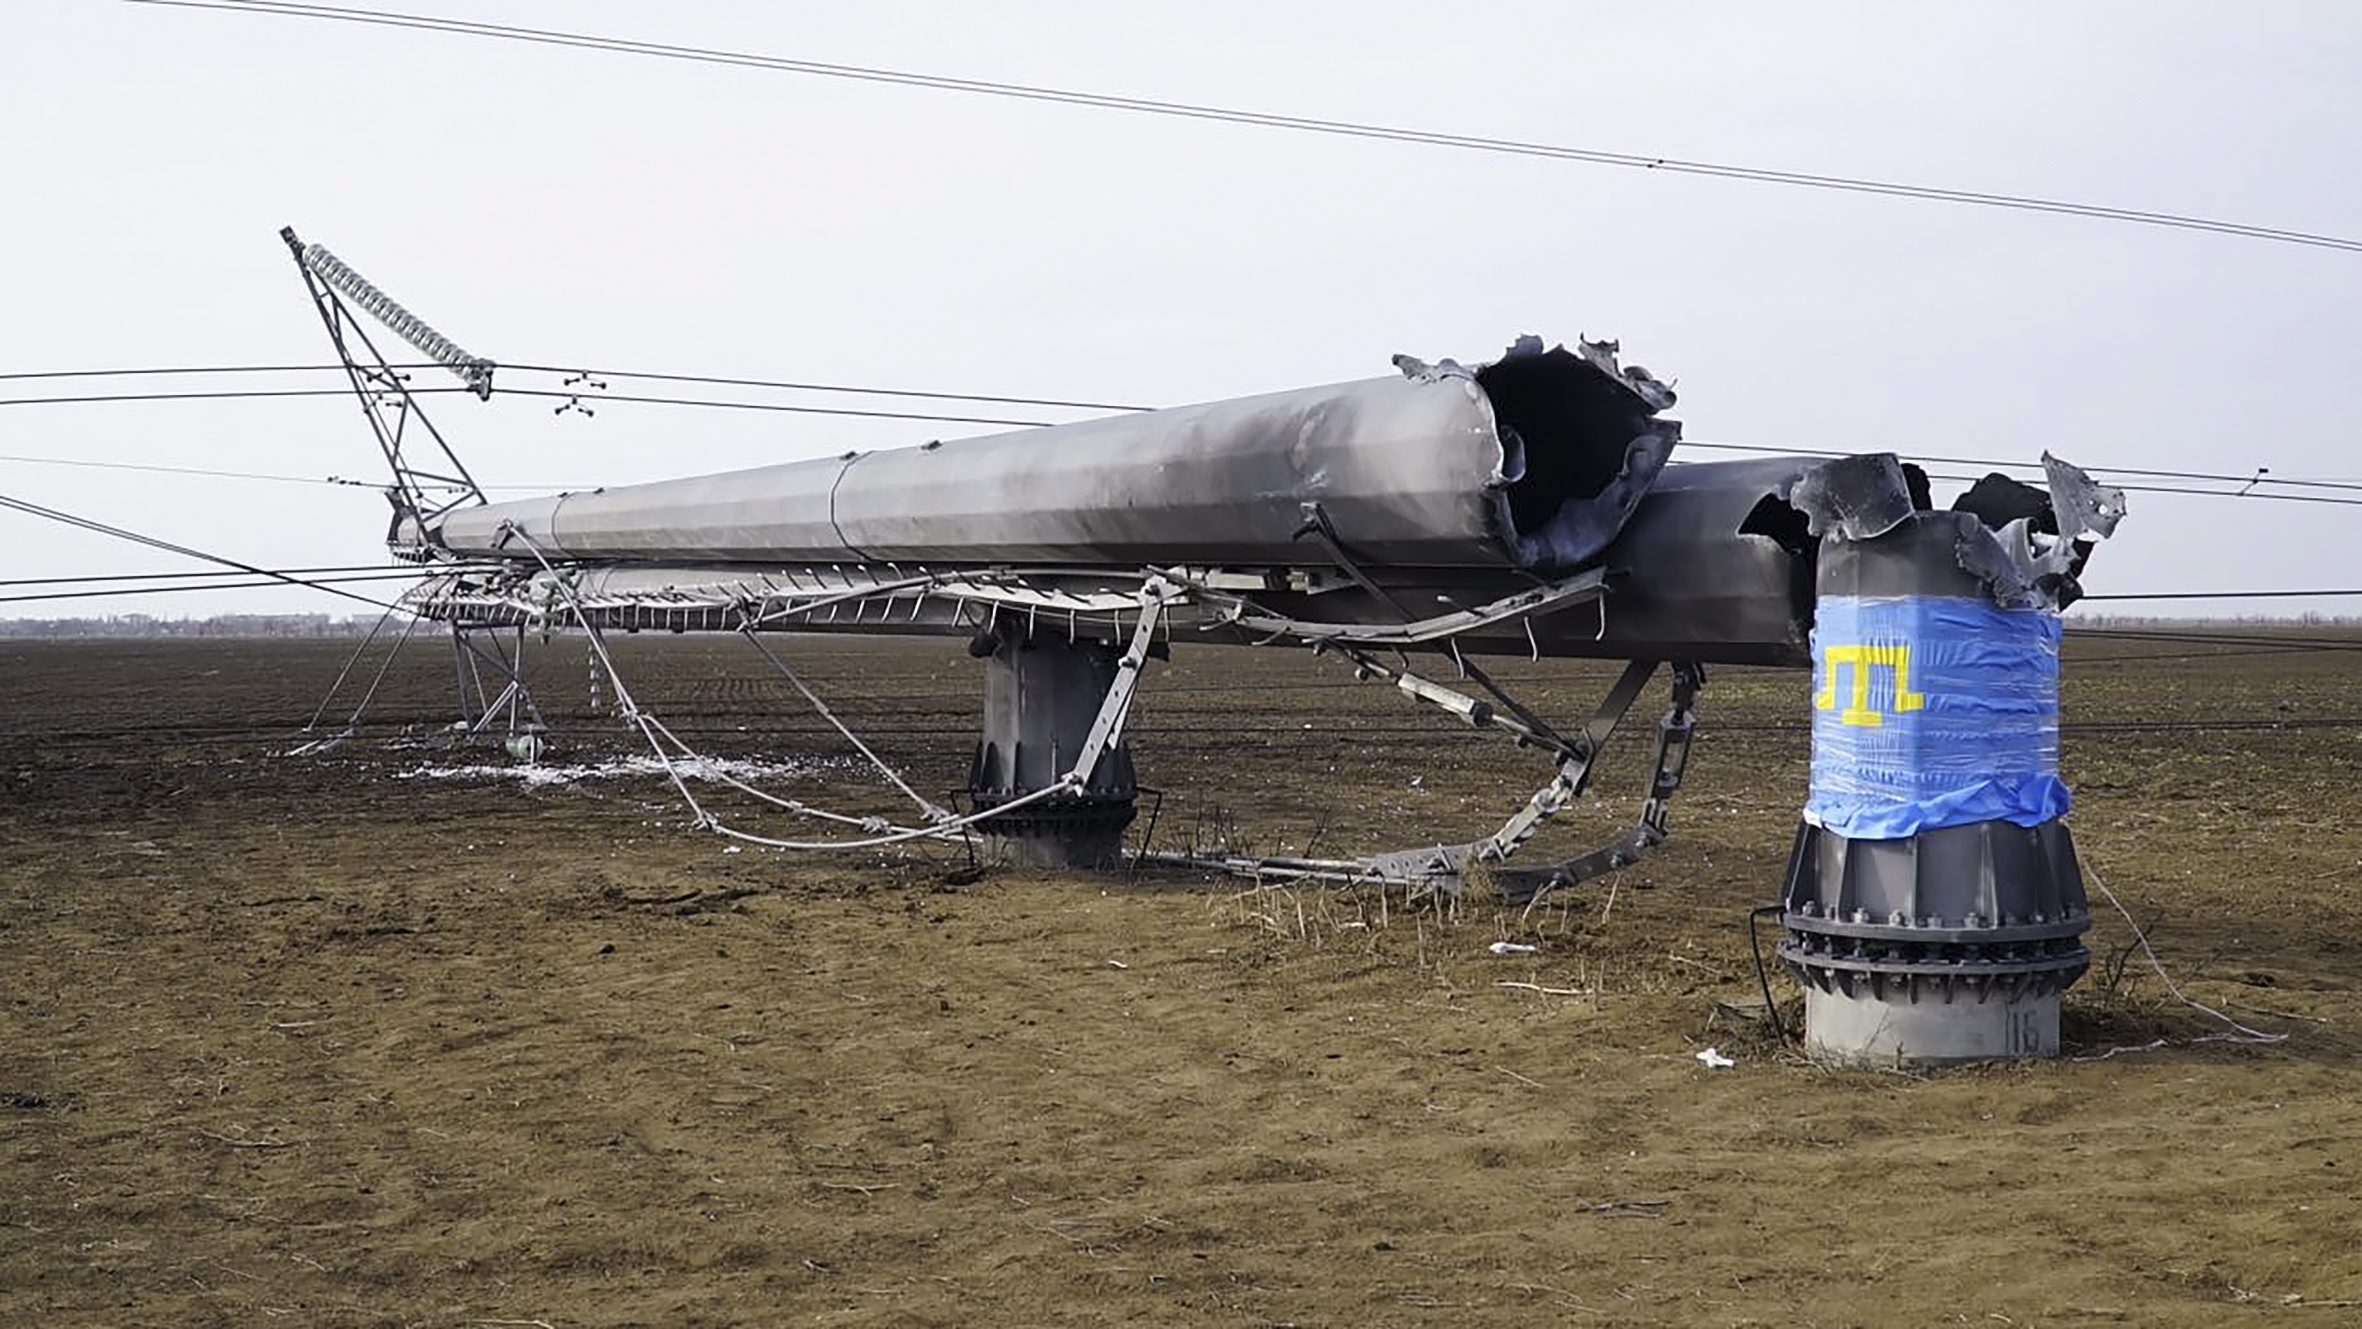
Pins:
<point x="1443" y="867"/>
<point x="1674" y="734"/>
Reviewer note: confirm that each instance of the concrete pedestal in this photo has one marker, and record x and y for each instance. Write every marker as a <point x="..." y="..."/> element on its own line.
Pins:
<point x="1951" y="945"/>
<point x="1862" y="1031"/>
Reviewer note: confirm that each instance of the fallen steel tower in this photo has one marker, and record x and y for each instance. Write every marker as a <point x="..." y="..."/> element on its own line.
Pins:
<point x="1445" y="513"/>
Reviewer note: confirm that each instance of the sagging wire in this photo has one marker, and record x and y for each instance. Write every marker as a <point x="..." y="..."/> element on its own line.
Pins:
<point x="1197" y="111"/>
<point x="927" y="807"/>
<point x="655" y="732"/>
<point x="1771" y="1009"/>
<point x="574" y="381"/>
<point x="185" y="587"/>
<point x="2239" y="1033"/>
<point x="101" y="528"/>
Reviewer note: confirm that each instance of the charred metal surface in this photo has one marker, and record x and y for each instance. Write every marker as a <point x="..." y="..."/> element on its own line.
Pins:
<point x="1582" y="450"/>
<point x="1997" y="500"/>
<point x="2021" y="564"/>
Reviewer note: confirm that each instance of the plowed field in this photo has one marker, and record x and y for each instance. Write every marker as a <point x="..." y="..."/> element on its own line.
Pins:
<point x="373" y="1038"/>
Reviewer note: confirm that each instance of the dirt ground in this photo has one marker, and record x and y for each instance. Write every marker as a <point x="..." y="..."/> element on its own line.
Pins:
<point x="354" y="1040"/>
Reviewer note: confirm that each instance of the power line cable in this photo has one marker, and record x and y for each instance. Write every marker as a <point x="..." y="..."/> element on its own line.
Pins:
<point x="2252" y="484"/>
<point x="335" y="480"/>
<point x="101" y="528"/>
<point x="558" y="394"/>
<point x="250" y="584"/>
<point x="190" y="369"/>
<point x="647" y="374"/>
<point x="1268" y="120"/>
<point x="718" y="381"/>
<point x="2262" y="477"/>
<point x="2158" y="657"/>
<point x="2218" y="595"/>
<point x="601" y="397"/>
<point x="2220" y="477"/>
<point x="2206" y="637"/>
<point x="239" y="394"/>
<point x="188" y="470"/>
<point x="184" y="576"/>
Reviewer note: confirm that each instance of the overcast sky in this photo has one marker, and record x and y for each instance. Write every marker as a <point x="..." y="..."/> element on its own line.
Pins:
<point x="543" y="205"/>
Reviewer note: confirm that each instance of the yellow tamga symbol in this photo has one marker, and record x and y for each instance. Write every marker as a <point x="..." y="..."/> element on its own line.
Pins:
<point x="1863" y="659"/>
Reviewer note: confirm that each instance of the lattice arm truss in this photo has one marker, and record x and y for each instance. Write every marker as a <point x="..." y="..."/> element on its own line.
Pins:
<point x="421" y="493"/>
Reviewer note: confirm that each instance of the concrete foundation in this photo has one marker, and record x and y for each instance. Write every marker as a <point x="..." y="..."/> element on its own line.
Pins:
<point x="1864" y="1030"/>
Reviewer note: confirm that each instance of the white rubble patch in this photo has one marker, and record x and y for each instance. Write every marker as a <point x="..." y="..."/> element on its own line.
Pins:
<point x="710" y="770"/>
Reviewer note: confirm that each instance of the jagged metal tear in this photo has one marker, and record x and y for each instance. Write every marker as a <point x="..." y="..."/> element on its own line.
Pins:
<point x="1859" y="498"/>
<point x="2020" y="565"/>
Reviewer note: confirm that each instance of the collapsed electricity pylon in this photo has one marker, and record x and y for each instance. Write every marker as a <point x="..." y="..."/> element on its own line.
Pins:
<point x="1409" y="526"/>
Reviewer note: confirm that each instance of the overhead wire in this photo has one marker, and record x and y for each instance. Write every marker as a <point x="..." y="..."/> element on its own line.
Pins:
<point x="184" y="576"/>
<point x="789" y="385"/>
<point x="561" y="394"/>
<point x="2096" y="468"/>
<point x="2259" y="478"/>
<point x="337" y="481"/>
<point x="237" y="394"/>
<point x="594" y="371"/>
<point x="789" y="408"/>
<point x="1269" y="120"/>
<point x="2253" y="486"/>
<point x="2220" y="595"/>
<point x="2195" y="636"/>
<point x="102" y="528"/>
<point x="190" y="369"/>
<point x="2260" y="484"/>
<point x="158" y="469"/>
<point x="251" y="584"/>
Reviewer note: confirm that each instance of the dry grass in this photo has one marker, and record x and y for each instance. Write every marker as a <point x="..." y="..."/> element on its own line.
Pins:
<point x="313" y="1043"/>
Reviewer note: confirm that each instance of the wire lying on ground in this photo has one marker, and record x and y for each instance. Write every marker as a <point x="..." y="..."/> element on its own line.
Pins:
<point x="2237" y="1032"/>
<point x="884" y="832"/>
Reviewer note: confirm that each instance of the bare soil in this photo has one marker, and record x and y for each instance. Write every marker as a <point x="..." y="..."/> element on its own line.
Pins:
<point x="328" y="1041"/>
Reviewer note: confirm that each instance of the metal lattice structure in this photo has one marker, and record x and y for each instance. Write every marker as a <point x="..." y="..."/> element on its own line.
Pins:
<point x="422" y="495"/>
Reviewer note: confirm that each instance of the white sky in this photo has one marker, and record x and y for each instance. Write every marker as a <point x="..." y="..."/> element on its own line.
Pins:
<point x="554" y="206"/>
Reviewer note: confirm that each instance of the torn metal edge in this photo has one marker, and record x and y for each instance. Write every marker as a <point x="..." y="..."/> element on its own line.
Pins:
<point x="2084" y="505"/>
<point x="1652" y="392"/>
<point x="1864" y="497"/>
<point x="1852" y="498"/>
